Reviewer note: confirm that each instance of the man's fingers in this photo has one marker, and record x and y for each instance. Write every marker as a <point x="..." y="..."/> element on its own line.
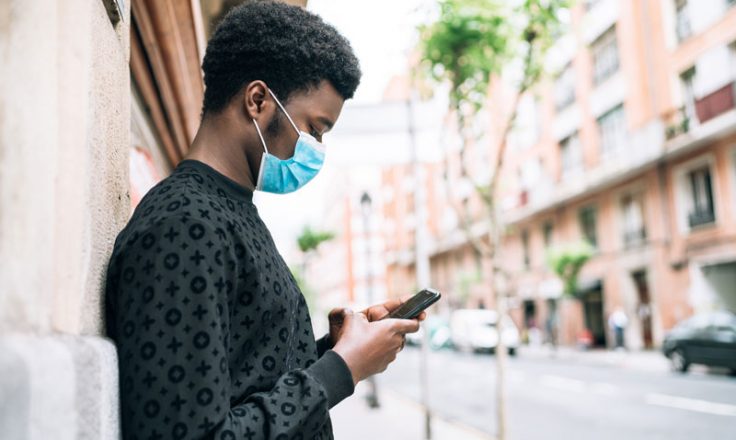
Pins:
<point x="376" y="313"/>
<point x="393" y="304"/>
<point x="405" y="326"/>
<point x="336" y="314"/>
<point x="360" y="315"/>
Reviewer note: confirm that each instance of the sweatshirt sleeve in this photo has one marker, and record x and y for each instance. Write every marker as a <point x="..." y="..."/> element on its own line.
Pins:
<point x="171" y="328"/>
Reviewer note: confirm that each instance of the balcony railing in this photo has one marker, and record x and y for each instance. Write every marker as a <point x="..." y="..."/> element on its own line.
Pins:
<point x="634" y="237"/>
<point x="716" y="103"/>
<point x="701" y="217"/>
<point x="677" y="122"/>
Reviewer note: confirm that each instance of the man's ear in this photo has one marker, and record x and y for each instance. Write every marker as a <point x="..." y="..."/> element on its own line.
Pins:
<point x="254" y="99"/>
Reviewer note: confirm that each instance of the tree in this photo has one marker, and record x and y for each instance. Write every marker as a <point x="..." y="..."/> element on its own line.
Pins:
<point x="309" y="240"/>
<point x="471" y="44"/>
<point x="567" y="262"/>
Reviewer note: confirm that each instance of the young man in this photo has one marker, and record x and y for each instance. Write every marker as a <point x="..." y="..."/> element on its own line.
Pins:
<point x="214" y="337"/>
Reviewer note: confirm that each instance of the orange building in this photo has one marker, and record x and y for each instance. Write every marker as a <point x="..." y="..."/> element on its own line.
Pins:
<point x="631" y="146"/>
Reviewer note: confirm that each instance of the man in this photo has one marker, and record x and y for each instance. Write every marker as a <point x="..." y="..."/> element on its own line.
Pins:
<point x="617" y="322"/>
<point x="214" y="337"/>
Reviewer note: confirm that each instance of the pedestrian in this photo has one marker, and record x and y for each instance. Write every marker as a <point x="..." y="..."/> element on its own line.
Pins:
<point x="213" y="335"/>
<point x="617" y="322"/>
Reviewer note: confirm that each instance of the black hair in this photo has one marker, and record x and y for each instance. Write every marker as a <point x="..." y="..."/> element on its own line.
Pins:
<point x="287" y="47"/>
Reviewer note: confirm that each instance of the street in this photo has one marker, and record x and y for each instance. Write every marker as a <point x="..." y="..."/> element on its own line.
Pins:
<point x="563" y="398"/>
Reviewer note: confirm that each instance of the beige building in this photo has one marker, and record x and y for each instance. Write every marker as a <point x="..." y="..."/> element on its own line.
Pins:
<point x="631" y="146"/>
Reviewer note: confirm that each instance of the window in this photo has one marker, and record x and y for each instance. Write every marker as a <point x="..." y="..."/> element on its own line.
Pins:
<point x="687" y="78"/>
<point x="525" y="248"/>
<point x="570" y="155"/>
<point x="682" y="20"/>
<point x="565" y="88"/>
<point x="605" y="56"/>
<point x="588" y="225"/>
<point x="632" y="213"/>
<point x="612" y="131"/>
<point x="702" y="211"/>
<point x="548" y="230"/>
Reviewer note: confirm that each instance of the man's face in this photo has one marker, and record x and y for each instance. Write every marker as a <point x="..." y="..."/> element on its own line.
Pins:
<point x="314" y="112"/>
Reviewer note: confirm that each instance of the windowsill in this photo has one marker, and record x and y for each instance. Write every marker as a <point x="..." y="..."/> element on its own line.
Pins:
<point x="684" y="40"/>
<point x="702" y="227"/>
<point x="634" y="245"/>
<point x="561" y="108"/>
<point x="598" y="82"/>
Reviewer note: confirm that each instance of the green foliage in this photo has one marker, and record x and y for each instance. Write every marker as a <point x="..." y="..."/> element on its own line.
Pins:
<point x="309" y="240"/>
<point x="472" y="40"/>
<point x="567" y="261"/>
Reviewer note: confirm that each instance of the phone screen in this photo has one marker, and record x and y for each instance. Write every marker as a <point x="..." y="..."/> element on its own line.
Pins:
<point x="416" y="304"/>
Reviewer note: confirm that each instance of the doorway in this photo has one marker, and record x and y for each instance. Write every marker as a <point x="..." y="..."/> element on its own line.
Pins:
<point x="530" y="314"/>
<point x="644" y="307"/>
<point x="593" y="310"/>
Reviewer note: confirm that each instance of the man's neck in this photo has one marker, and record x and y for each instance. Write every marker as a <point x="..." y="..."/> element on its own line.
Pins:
<point x="218" y="146"/>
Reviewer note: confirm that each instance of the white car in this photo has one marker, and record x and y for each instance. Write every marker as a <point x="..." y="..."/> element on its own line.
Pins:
<point x="477" y="330"/>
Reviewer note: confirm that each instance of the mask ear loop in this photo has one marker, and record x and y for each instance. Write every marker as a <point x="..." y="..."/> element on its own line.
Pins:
<point x="258" y="129"/>
<point x="285" y="112"/>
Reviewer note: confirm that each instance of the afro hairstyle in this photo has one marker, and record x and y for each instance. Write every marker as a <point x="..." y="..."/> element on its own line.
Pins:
<point x="287" y="47"/>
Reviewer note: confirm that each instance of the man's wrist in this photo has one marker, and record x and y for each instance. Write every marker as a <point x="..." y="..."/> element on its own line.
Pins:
<point x="349" y="361"/>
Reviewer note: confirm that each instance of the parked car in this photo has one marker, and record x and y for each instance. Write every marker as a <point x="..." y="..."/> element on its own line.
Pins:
<point x="439" y="333"/>
<point x="708" y="339"/>
<point x="477" y="330"/>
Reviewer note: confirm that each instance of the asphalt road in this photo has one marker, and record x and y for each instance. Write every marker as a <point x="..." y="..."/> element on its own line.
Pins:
<point x="563" y="399"/>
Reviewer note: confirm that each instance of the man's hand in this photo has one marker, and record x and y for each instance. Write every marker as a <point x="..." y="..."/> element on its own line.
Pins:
<point x="368" y="347"/>
<point x="377" y="312"/>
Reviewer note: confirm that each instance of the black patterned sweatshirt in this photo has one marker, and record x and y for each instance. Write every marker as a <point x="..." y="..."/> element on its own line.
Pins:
<point x="214" y="337"/>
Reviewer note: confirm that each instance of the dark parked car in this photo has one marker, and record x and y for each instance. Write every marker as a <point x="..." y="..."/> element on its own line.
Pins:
<point x="708" y="339"/>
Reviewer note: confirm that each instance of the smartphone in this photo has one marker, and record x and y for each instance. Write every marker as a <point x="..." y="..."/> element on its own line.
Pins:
<point x="416" y="304"/>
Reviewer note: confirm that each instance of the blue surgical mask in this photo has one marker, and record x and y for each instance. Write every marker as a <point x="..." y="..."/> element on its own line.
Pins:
<point x="282" y="176"/>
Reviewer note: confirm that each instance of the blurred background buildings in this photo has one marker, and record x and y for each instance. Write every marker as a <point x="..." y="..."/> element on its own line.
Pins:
<point x="631" y="146"/>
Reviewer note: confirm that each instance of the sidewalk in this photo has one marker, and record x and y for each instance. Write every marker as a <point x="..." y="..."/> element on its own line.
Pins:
<point x="635" y="360"/>
<point x="397" y="418"/>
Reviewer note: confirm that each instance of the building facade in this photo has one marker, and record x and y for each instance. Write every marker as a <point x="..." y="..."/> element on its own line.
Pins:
<point x="630" y="146"/>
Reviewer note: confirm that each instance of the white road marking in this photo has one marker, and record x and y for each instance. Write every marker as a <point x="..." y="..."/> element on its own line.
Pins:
<point x="703" y="406"/>
<point x="605" y="389"/>
<point x="563" y="383"/>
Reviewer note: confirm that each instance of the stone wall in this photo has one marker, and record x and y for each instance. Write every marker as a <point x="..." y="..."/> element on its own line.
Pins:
<point x="64" y="140"/>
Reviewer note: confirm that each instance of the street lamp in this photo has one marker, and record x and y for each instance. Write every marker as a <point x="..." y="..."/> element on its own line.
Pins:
<point x="365" y="207"/>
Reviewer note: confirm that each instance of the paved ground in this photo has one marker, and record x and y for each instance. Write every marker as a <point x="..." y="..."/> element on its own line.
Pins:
<point x="572" y="395"/>
<point x="398" y="417"/>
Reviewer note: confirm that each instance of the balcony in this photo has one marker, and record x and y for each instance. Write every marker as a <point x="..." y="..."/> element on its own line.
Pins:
<point x="701" y="217"/>
<point x="642" y="149"/>
<point x="715" y="104"/>
<point x="634" y="237"/>
<point x="678" y="123"/>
